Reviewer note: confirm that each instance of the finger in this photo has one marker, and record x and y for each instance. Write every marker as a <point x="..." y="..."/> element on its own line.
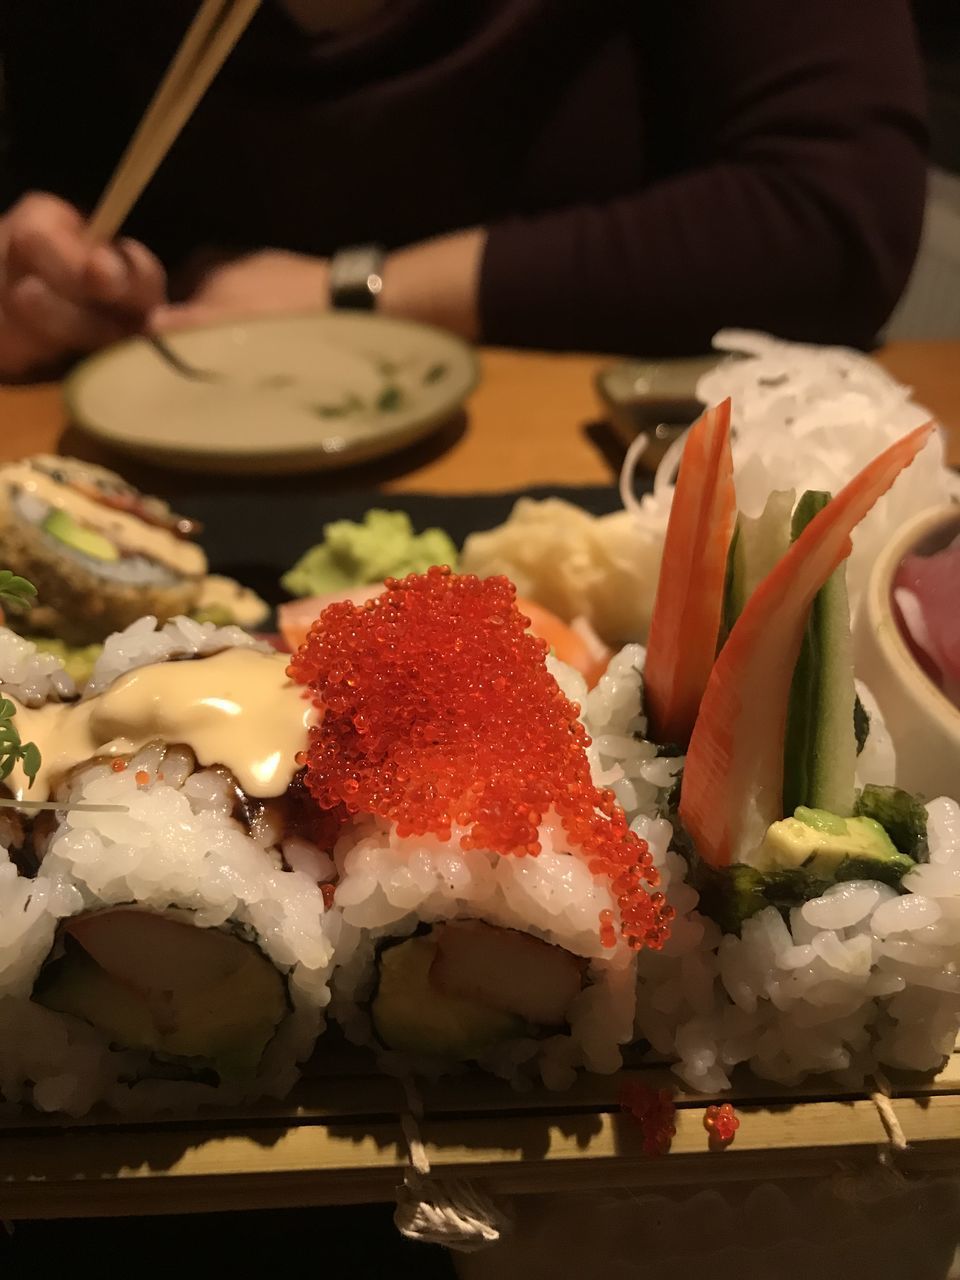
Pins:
<point x="149" y="279"/>
<point x="46" y="239"/>
<point x="187" y="315"/>
<point x="126" y="276"/>
<point x="63" y="324"/>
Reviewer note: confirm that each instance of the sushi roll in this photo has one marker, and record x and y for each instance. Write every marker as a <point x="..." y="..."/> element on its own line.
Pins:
<point x="100" y="553"/>
<point x="791" y="974"/>
<point x="817" y="905"/>
<point x="165" y="940"/>
<point x="492" y="897"/>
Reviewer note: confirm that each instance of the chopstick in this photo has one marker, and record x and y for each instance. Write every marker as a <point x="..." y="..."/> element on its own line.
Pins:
<point x="211" y="36"/>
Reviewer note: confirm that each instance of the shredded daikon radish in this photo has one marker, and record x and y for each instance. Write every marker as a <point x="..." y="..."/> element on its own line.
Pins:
<point x="804" y="417"/>
<point x="628" y="471"/>
<point x="807" y="417"/>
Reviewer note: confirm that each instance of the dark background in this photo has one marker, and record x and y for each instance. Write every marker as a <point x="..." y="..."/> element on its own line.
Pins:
<point x="939" y="25"/>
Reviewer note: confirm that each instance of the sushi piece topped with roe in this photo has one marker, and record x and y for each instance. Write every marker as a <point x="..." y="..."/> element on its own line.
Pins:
<point x="440" y="715"/>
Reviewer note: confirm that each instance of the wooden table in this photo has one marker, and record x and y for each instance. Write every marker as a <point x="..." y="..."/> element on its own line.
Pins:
<point x="337" y="1139"/>
<point x="526" y="423"/>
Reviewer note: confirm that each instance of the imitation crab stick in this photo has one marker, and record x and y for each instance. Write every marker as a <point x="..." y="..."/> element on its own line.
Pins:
<point x="733" y="775"/>
<point x="689" y="602"/>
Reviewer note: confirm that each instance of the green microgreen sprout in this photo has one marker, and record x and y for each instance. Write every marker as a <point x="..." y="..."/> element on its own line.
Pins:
<point x="15" y="593"/>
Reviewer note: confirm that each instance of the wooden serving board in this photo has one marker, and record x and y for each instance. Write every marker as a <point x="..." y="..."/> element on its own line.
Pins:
<point x="337" y="1140"/>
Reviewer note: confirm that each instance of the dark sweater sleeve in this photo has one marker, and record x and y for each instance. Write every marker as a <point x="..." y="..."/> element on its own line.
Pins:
<point x="796" y="207"/>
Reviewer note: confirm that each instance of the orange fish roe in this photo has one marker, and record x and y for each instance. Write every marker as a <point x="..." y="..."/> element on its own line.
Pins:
<point x="439" y="711"/>
<point x="141" y="777"/>
<point x="721" y="1123"/>
<point x="656" y="1113"/>
<point x="118" y="766"/>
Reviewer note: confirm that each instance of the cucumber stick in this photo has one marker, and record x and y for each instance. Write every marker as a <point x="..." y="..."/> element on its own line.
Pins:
<point x="758" y="543"/>
<point x="820" y="753"/>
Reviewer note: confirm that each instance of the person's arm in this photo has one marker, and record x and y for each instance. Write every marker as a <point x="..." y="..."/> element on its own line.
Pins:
<point x="795" y="208"/>
<point x="436" y="282"/>
<point x="800" y="213"/>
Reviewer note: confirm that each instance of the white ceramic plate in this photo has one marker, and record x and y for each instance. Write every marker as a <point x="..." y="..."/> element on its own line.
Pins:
<point x="308" y="390"/>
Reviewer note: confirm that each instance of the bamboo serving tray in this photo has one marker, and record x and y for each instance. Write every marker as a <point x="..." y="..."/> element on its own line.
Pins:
<point x="337" y="1140"/>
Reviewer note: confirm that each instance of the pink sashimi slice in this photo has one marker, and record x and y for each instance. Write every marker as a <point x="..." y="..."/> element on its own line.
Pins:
<point x="272" y="638"/>
<point x="910" y="620"/>
<point x="297" y="617"/>
<point x="926" y="591"/>
<point x="506" y="970"/>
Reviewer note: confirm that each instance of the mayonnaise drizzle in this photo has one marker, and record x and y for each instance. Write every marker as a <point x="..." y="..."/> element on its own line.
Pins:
<point x="126" y="531"/>
<point x="237" y="709"/>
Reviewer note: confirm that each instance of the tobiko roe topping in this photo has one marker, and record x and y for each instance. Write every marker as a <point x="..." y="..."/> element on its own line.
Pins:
<point x="439" y="711"/>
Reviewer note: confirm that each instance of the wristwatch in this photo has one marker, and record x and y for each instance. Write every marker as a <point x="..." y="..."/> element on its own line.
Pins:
<point x="356" y="277"/>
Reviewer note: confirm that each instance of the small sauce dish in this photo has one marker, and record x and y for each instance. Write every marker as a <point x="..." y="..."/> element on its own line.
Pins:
<point x="924" y="723"/>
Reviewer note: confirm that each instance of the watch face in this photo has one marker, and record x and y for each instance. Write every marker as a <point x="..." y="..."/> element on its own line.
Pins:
<point x="355" y="277"/>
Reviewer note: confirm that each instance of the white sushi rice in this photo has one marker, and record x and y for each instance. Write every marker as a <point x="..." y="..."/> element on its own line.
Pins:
<point x="143" y="642"/>
<point x="32" y="678"/>
<point x="623" y="759"/>
<point x="174" y="844"/>
<point x="860" y="979"/>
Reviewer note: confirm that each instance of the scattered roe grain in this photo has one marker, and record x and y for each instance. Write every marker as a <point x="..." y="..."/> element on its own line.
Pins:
<point x="655" y="1112"/>
<point x="439" y="713"/>
<point x="722" y="1123"/>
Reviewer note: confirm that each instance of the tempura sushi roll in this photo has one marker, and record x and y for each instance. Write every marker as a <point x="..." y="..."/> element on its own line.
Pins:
<point x="492" y="895"/>
<point x="100" y="553"/>
<point x="164" y="934"/>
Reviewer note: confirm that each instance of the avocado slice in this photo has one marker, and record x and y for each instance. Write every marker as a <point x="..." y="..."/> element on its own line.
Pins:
<point x="88" y="542"/>
<point x="156" y="983"/>
<point x="800" y="858"/>
<point x="75" y="984"/>
<point x="412" y="1015"/>
<point x="833" y="847"/>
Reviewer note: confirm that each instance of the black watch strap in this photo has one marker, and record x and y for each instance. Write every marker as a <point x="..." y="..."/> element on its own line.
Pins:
<point x="356" y="277"/>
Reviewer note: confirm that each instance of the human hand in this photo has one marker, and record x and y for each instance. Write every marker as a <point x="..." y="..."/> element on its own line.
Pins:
<point x="60" y="293"/>
<point x="266" y="282"/>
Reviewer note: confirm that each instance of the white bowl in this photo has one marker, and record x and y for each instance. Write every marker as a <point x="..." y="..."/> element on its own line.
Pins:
<point x="924" y="723"/>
